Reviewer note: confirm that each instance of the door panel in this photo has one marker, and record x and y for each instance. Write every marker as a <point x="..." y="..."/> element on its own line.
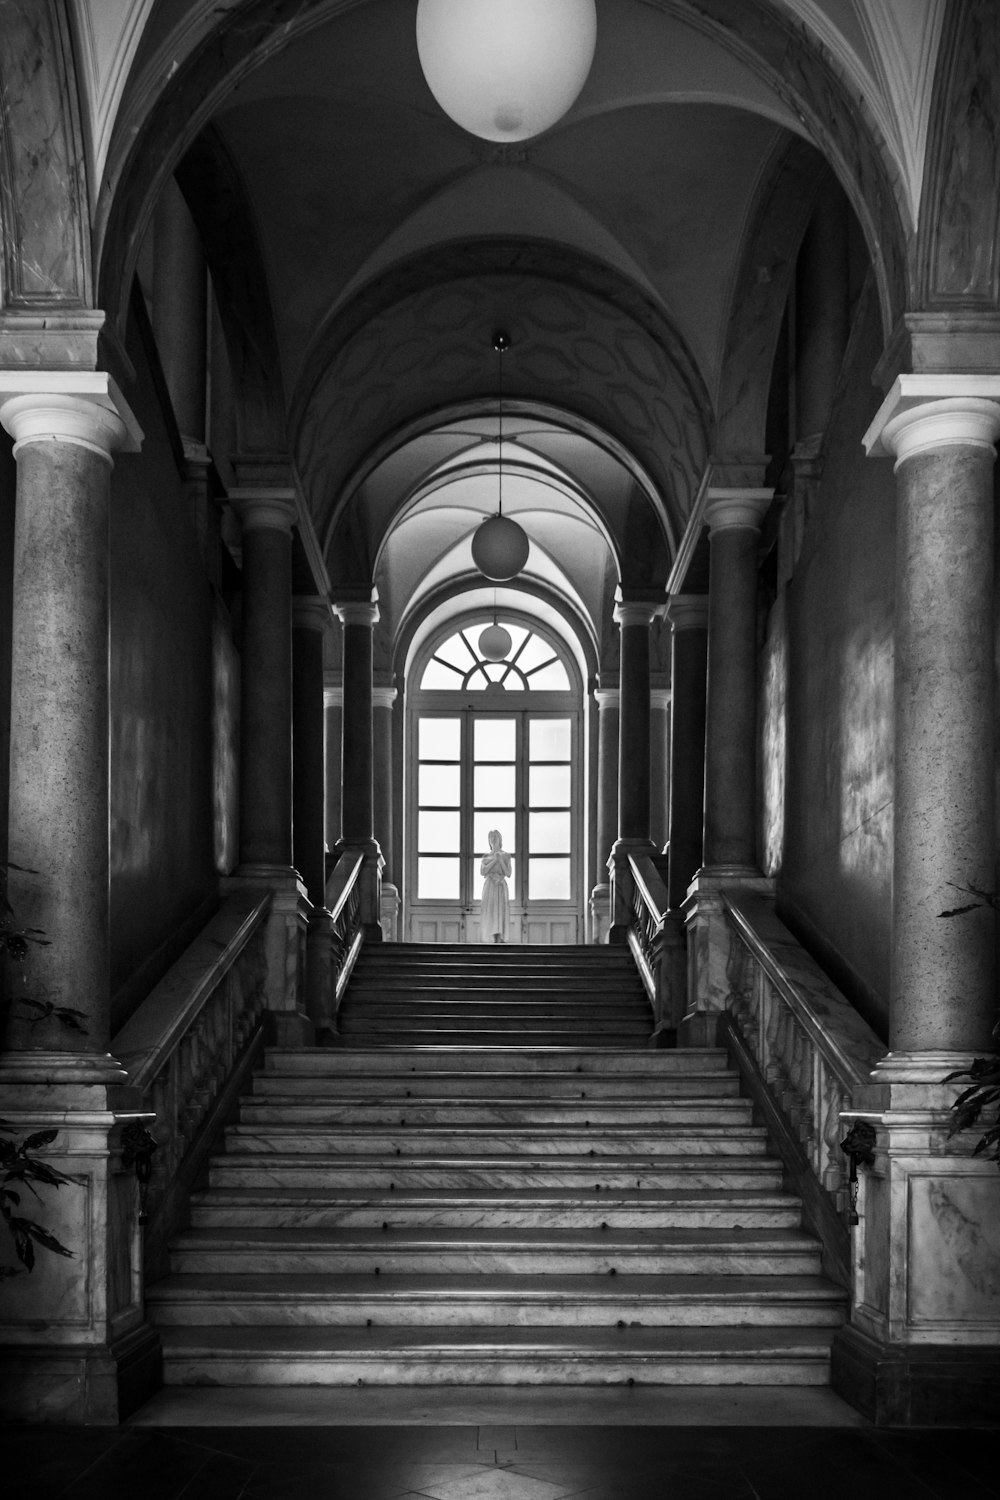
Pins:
<point x="516" y="772"/>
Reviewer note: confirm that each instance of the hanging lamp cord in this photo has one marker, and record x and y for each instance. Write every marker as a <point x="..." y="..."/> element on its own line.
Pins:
<point x="501" y="344"/>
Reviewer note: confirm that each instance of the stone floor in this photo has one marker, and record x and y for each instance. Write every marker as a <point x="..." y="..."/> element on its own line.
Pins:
<point x="680" y="1444"/>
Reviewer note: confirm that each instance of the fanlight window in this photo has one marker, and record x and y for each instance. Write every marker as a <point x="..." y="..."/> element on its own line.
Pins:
<point x="531" y="665"/>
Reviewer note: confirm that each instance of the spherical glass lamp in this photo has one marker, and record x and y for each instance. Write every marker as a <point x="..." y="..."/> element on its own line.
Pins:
<point x="506" y="70"/>
<point x="495" y="642"/>
<point x="499" y="548"/>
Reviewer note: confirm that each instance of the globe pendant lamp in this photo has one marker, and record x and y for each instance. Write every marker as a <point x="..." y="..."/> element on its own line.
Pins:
<point x="506" y="70"/>
<point x="495" y="641"/>
<point x="500" y="546"/>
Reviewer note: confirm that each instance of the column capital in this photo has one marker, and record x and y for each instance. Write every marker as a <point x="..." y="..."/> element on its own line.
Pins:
<point x="660" y="697"/>
<point x="687" y="611"/>
<point x="607" y="697"/>
<point x="640" y="608"/>
<point x="83" y="407"/>
<point x="358" y="611"/>
<point x="265" y="509"/>
<point x="925" y="413"/>
<point x="741" y="506"/>
<point x="310" y="612"/>
<point x="383" y="697"/>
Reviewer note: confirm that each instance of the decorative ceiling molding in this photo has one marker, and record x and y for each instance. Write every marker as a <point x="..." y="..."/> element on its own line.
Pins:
<point x="108" y="37"/>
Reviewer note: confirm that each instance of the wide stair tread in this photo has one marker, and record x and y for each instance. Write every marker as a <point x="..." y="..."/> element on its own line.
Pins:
<point x="492" y="1179"/>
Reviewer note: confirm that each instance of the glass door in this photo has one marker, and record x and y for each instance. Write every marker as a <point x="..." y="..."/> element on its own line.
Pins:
<point x="477" y="771"/>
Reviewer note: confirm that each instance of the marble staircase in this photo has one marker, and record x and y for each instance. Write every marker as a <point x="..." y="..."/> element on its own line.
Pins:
<point x="495" y="1206"/>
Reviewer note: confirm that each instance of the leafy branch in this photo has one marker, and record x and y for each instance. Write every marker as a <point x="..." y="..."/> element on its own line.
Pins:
<point x="983" y="1095"/>
<point x="22" y="1167"/>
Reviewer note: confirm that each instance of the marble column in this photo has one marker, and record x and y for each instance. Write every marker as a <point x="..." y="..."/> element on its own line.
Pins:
<point x="267" y="516"/>
<point x="688" y="616"/>
<point x="923" y="1341"/>
<point x="75" y="1347"/>
<point x="310" y="619"/>
<point x="733" y="516"/>
<point x="333" y="701"/>
<point x="606" y="699"/>
<point x="383" y="698"/>
<point x="659" y="764"/>
<point x="633" y="617"/>
<point x="359" y="618"/>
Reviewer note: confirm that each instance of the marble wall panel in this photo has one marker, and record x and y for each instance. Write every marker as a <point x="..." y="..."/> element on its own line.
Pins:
<point x="954" y="1254"/>
<point x="161" y="667"/>
<point x="836" y="872"/>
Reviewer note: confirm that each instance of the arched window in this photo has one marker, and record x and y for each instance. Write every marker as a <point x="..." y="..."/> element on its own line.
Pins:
<point x="494" y="744"/>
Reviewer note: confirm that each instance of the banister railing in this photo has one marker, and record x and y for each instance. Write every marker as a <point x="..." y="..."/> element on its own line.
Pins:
<point x="189" y="1047"/>
<point x="802" y="1049"/>
<point x="343" y="900"/>
<point x="656" y="940"/>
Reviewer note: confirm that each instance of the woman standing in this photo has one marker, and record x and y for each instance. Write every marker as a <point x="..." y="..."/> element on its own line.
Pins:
<point x="495" y="869"/>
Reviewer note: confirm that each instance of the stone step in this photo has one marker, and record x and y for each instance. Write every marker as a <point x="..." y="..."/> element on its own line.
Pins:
<point x="396" y="1036"/>
<point x="499" y="953"/>
<point x="485" y="1252"/>
<point x="482" y="1141"/>
<point x="512" y="1021"/>
<point x="525" y="989"/>
<point x="539" y="1207"/>
<point x="657" y="1301"/>
<point x="439" y="1355"/>
<point x="343" y="1084"/>
<point x="410" y="1004"/>
<point x="647" y="1063"/>
<point x="281" y="1109"/>
<point x="271" y="1169"/>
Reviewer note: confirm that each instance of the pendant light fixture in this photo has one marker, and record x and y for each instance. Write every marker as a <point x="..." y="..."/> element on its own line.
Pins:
<point x="500" y="546"/>
<point x="495" y="641"/>
<point x="506" y="70"/>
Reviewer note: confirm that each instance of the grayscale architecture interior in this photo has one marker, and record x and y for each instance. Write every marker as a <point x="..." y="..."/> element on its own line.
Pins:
<point x="498" y="740"/>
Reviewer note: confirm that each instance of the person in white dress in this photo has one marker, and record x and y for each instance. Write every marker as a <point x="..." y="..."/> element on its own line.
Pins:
<point x="495" y="870"/>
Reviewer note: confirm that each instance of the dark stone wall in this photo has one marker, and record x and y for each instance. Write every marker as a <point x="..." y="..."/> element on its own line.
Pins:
<point x="8" y="490"/>
<point x="164" y="786"/>
<point x="827" y="708"/>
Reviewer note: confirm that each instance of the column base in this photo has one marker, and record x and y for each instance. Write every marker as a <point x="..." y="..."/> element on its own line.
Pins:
<point x="369" y="884"/>
<point x="389" y="909"/>
<point x="600" y="913"/>
<point x="76" y="1347"/>
<point x="926" y="1385"/>
<point x="285" y="945"/>
<point x="622" y="885"/>
<point x="708" y="947"/>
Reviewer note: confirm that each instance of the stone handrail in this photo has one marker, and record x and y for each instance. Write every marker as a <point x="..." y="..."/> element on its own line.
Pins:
<point x="803" y="1049"/>
<point x="649" y="933"/>
<point x="343" y="900"/>
<point x="189" y="1046"/>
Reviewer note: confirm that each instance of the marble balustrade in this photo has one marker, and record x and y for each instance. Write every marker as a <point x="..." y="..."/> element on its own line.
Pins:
<point x="188" y="1047"/>
<point x="343" y="899"/>
<point x="808" y="1044"/>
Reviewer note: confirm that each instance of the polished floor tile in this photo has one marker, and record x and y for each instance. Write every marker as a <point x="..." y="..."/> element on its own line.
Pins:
<point x="499" y="1461"/>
